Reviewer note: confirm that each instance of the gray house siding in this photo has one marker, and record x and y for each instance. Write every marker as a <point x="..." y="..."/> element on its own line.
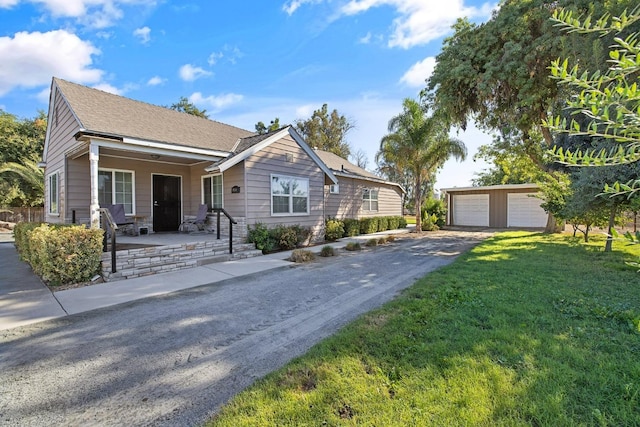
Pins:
<point x="348" y="202"/>
<point x="62" y="128"/>
<point x="283" y="157"/>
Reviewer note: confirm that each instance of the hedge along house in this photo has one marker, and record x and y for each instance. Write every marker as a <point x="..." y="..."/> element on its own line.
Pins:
<point x="497" y="206"/>
<point x="359" y="193"/>
<point x="162" y="164"/>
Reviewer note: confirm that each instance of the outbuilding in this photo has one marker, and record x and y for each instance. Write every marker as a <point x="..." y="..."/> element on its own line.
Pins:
<point x="496" y="206"/>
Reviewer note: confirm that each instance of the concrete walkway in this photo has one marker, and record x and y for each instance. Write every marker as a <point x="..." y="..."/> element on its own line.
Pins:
<point x="24" y="299"/>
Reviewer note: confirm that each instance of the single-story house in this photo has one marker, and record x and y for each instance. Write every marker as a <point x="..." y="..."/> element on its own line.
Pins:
<point x="496" y="206"/>
<point x="359" y="193"/>
<point x="161" y="164"/>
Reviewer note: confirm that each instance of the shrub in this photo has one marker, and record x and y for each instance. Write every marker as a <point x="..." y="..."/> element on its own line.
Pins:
<point x="430" y="223"/>
<point x="371" y="242"/>
<point x="61" y="254"/>
<point x="368" y="225"/>
<point x="21" y="233"/>
<point x="382" y="240"/>
<point x="327" y="251"/>
<point x="278" y="238"/>
<point x="435" y="209"/>
<point x="353" y="246"/>
<point x="383" y="223"/>
<point x="334" y="229"/>
<point x="402" y="222"/>
<point x="301" y="255"/>
<point x="391" y="238"/>
<point x="351" y="227"/>
<point x="262" y="238"/>
<point x="285" y="237"/>
<point x="394" y="222"/>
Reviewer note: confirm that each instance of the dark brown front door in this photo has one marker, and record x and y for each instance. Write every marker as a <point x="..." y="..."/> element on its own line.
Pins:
<point x="166" y="203"/>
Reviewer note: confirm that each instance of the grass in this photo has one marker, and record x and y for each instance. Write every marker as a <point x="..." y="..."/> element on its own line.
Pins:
<point x="525" y="329"/>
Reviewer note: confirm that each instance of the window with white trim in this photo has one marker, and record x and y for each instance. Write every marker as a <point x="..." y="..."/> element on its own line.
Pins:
<point x="334" y="189"/>
<point x="370" y="200"/>
<point x="117" y="187"/>
<point x="289" y="195"/>
<point x="212" y="191"/>
<point x="54" y="193"/>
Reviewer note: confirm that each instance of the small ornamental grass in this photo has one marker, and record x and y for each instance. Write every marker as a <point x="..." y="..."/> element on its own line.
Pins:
<point x="371" y="242"/>
<point x="301" y="256"/>
<point x="327" y="251"/>
<point x="353" y="246"/>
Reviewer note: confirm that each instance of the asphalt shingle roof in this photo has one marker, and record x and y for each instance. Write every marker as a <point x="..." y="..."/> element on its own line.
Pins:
<point x="340" y="165"/>
<point x="105" y="113"/>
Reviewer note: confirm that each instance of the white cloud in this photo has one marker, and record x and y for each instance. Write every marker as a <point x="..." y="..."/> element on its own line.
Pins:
<point x="419" y="72"/>
<point x="213" y="58"/>
<point x="155" y="81"/>
<point x="417" y="22"/>
<point x="31" y="59"/>
<point x="291" y="6"/>
<point x="216" y="102"/>
<point x="91" y="13"/>
<point x="109" y="88"/>
<point x="190" y="73"/>
<point x="366" y="39"/>
<point x="144" y="34"/>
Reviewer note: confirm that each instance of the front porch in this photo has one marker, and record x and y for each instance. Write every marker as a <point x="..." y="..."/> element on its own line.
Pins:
<point x="149" y="254"/>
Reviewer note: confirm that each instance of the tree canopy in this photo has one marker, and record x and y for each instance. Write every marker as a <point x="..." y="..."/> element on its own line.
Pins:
<point x="21" y="145"/>
<point x="184" y="106"/>
<point x="261" y="128"/>
<point x="326" y="131"/>
<point x="417" y="145"/>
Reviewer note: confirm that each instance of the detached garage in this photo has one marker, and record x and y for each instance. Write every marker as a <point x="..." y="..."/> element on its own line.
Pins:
<point x="497" y="206"/>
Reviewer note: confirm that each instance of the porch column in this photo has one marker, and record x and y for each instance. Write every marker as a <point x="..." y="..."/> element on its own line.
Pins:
<point x="94" y="156"/>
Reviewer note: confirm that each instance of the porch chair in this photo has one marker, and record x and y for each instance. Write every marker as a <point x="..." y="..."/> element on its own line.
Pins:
<point x="121" y="220"/>
<point x="197" y="223"/>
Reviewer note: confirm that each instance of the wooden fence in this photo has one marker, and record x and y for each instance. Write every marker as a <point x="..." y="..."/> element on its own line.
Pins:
<point x="29" y="214"/>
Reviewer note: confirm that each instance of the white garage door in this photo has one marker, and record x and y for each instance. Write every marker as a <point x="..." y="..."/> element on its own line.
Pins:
<point x="523" y="210"/>
<point x="471" y="209"/>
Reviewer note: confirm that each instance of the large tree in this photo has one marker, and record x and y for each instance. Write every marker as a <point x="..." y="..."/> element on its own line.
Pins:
<point x="326" y="131"/>
<point x="184" y="106"/>
<point x="21" y="145"/>
<point x="418" y="144"/>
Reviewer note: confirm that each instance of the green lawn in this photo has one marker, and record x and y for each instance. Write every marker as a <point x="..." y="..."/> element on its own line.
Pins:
<point x="525" y="329"/>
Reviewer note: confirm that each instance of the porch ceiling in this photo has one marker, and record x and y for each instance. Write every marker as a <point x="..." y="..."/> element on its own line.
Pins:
<point x="156" y="158"/>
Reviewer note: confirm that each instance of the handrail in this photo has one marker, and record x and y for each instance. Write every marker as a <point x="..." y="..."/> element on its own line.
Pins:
<point x="107" y="220"/>
<point x="231" y="222"/>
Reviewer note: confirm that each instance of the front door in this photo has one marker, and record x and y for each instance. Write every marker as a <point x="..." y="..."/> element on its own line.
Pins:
<point x="166" y="203"/>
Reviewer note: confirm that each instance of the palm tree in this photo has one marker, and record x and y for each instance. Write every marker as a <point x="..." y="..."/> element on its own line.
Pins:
<point x="30" y="178"/>
<point x="418" y="144"/>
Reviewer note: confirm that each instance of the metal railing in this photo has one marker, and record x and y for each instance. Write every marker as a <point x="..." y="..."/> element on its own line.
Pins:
<point x="231" y="222"/>
<point x="109" y="225"/>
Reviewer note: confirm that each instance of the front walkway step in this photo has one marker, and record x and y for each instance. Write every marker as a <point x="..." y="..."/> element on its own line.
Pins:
<point x="162" y="259"/>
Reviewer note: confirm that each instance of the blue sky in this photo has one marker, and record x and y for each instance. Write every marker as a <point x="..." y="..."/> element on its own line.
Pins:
<point x="242" y="61"/>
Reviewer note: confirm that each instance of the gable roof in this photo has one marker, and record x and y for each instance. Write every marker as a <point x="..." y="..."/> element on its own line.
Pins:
<point x="251" y="145"/>
<point x="103" y="113"/>
<point x="343" y="167"/>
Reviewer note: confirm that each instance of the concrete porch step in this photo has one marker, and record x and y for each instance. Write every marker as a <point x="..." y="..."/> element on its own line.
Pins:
<point x="162" y="259"/>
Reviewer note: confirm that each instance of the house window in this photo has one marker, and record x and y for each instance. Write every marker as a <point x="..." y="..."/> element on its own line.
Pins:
<point x="289" y="195"/>
<point x="116" y="187"/>
<point x="369" y="200"/>
<point x="334" y="189"/>
<point x="212" y="191"/>
<point x="54" y="193"/>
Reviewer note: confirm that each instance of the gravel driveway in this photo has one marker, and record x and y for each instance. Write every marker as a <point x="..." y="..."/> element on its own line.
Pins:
<point x="174" y="360"/>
